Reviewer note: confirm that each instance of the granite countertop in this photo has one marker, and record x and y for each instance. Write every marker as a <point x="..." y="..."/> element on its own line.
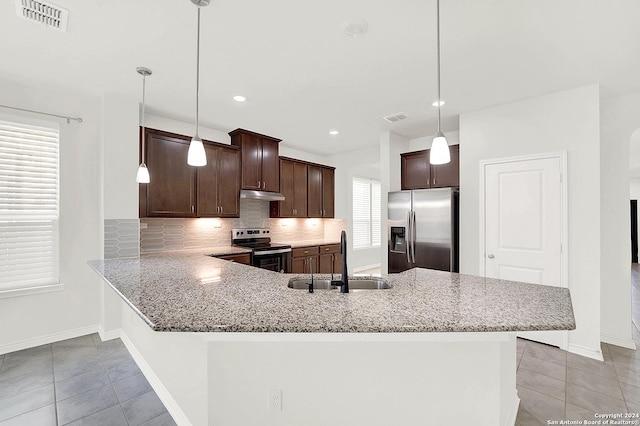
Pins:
<point x="189" y="291"/>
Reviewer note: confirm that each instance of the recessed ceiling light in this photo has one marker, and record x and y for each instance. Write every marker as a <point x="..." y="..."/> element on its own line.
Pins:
<point x="435" y="103"/>
<point x="333" y="132"/>
<point x="355" y="27"/>
<point x="239" y="98"/>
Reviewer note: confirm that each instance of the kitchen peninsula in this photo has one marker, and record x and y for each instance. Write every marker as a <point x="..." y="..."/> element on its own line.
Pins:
<point x="226" y="342"/>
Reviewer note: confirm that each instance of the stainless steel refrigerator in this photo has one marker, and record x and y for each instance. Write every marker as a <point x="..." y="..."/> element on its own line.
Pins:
<point x="423" y="229"/>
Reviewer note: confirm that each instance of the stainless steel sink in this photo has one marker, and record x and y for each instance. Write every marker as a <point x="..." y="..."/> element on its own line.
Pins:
<point x="354" y="284"/>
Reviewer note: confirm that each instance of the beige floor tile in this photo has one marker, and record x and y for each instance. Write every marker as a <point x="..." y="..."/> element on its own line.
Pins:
<point x="591" y="366"/>
<point x="541" y="366"/>
<point x="546" y="352"/>
<point x="631" y="393"/>
<point x="594" y="401"/>
<point x="540" y="406"/>
<point x="628" y="376"/>
<point x="573" y="412"/>
<point x="541" y="383"/>
<point x="633" y="408"/>
<point x="594" y="382"/>
<point x="525" y="418"/>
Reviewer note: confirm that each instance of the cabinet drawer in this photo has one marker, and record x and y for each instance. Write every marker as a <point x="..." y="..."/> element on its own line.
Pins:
<point x="305" y="251"/>
<point x="332" y="248"/>
<point x="244" y="258"/>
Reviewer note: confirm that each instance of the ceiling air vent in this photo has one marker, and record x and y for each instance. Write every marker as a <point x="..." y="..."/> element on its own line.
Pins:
<point x="394" y="118"/>
<point x="43" y="12"/>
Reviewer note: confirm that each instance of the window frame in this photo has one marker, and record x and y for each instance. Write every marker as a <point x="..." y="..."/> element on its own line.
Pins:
<point x="370" y="222"/>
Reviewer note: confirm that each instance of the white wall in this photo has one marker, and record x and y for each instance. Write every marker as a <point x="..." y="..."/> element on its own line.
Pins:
<point x="634" y="194"/>
<point x="35" y="319"/>
<point x="562" y="121"/>
<point x="347" y="164"/>
<point x="620" y="118"/>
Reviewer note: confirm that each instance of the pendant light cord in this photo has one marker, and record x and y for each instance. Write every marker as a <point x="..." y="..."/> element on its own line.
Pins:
<point x="144" y="89"/>
<point x="438" y="38"/>
<point x="198" y="75"/>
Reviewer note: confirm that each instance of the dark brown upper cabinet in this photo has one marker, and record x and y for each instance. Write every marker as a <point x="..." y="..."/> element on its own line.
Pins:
<point x="320" y="191"/>
<point x="260" y="161"/>
<point x="293" y="185"/>
<point x="180" y="190"/>
<point x="308" y="189"/>
<point x="417" y="173"/>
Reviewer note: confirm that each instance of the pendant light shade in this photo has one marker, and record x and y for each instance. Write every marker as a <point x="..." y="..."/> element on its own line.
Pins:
<point x="143" y="173"/>
<point x="196" y="155"/>
<point x="439" y="153"/>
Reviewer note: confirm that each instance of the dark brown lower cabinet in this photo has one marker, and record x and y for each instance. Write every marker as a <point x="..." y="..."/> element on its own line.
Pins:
<point x="330" y="259"/>
<point x="244" y="258"/>
<point x="304" y="260"/>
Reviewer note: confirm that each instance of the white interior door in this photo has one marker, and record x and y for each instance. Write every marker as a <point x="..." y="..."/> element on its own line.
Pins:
<point x="523" y="226"/>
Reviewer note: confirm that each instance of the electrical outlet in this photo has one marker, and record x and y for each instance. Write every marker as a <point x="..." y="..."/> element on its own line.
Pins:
<point x="143" y="225"/>
<point x="275" y="400"/>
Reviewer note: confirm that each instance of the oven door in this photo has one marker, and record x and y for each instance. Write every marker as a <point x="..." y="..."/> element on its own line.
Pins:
<point x="277" y="261"/>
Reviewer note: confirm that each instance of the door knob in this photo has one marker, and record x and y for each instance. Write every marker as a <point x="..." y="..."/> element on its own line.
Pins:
<point x="490" y="256"/>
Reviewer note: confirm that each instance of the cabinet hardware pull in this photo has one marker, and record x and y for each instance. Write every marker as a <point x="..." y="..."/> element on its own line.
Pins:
<point x="193" y="209"/>
<point x="259" y="184"/>
<point x="264" y="185"/>
<point x="326" y="249"/>
<point x="306" y="251"/>
<point x="220" y="209"/>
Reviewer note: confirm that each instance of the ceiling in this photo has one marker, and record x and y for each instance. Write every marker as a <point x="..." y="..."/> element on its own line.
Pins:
<point x="303" y="76"/>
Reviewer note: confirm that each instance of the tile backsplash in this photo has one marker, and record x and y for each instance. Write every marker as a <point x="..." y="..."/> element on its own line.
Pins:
<point x="161" y="234"/>
<point x="121" y="238"/>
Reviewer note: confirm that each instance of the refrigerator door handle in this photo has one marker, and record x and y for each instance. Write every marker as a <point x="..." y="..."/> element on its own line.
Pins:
<point x="408" y="237"/>
<point x="413" y="236"/>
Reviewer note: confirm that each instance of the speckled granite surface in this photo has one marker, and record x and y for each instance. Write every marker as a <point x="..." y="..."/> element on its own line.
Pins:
<point x="189" y="291"/>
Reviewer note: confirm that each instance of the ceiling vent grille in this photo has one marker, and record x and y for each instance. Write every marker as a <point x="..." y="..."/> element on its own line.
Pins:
<point x="394" y="118"/>
<point x="44" y="13"/>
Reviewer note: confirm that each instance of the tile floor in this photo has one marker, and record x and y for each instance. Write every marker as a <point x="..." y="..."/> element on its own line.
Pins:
<point x="556" y="385"/>
<point x="81" y="381"/>
<point x="85" y="381"/>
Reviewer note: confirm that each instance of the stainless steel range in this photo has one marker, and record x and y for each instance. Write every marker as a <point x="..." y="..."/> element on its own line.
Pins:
<point x="265" y="254"/>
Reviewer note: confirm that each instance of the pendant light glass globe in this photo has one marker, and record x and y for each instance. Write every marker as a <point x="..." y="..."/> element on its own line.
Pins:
<point x="439" y="153"/>
<point x="196" y="155"/>
<point x="143" y="174"/>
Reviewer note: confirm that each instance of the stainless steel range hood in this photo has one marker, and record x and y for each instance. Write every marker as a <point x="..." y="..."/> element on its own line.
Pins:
<point x="261" y="195"/>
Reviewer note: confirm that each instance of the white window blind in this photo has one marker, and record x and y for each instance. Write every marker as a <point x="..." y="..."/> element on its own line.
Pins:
<point x="366" y="213"/>
<point x="28" y="205"/>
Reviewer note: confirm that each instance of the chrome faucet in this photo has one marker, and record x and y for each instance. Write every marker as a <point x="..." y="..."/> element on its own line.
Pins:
<point x="344" y="282"/>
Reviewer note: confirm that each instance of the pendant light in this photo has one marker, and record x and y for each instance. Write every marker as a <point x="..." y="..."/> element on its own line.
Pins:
<point x="196" y="155"/>
<point x="143" y="172"/>
<point x="439" y="153"/>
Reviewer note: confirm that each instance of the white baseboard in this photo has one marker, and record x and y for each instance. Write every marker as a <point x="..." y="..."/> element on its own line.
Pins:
<point x="171" y="405"/>
<point x="46" y="339"/>
<point x="513" y="411"/>
<point x="613" y="340"/>
<point x="109" y="335"/>
<point x="364" y="268"/>
<point x="583" y="351"/>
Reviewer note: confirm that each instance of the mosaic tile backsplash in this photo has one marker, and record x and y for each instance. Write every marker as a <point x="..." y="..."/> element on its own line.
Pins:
<point x="121" y="238"/>
<point x="162" y="234"/>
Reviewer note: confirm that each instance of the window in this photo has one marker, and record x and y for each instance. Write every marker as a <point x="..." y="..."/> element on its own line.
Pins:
<point x="28" y="206"/>
<point x="366" y="213"/>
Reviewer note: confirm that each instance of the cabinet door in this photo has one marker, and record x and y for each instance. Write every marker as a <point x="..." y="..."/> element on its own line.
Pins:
<point x="299" y="265"/>
<point x="172" y="191"/>
<point x="327" y="192"/>
<point x="270" y="166"/>
<point x="337" y="263"/>
<point x="229" y="182"/>
<point x="207" y="183"/>
<point x="326" y="263"/>
<point x="287" y="184"/>
<point x="251" y="162"/>
<point x="300" y="189"/>
<point x="447" y="175"/>
<point x="245" y="259"/>
<point x="415" y="170"/>
<point x="314" y="191"/>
